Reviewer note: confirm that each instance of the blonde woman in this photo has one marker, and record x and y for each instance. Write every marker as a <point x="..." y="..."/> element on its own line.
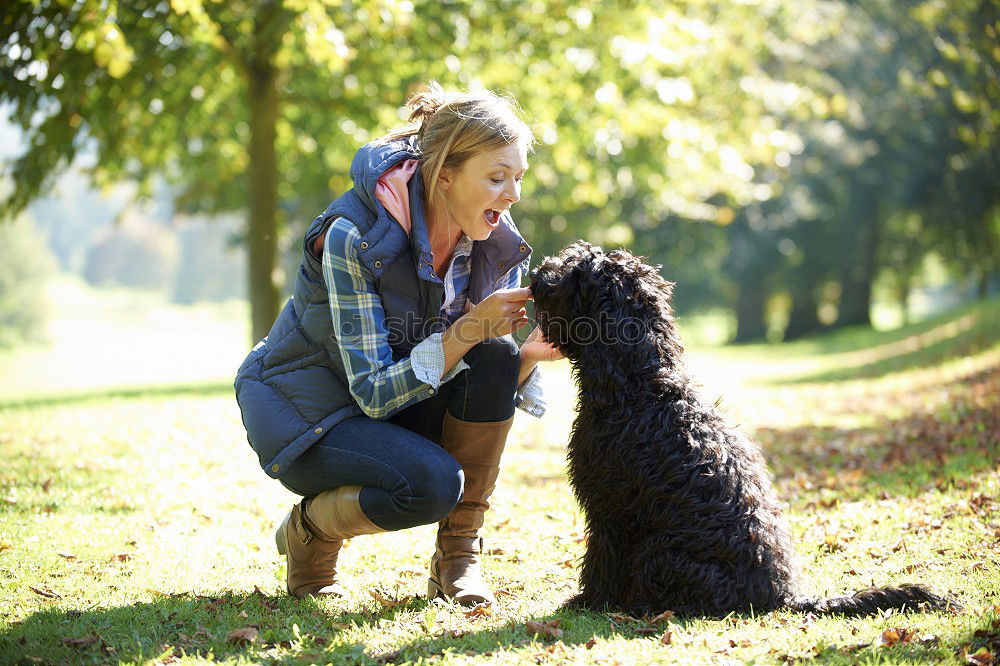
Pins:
<point x="385" y="390"/>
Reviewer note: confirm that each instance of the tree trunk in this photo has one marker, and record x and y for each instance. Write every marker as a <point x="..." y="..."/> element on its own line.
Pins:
<point x="750" y="303"/>
<point x="858" y="271"/>
<point x="803" y="318"/>
<point x="262" y="236"/>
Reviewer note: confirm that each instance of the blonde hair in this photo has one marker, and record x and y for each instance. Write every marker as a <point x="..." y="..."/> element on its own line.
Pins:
<point x="452" y="126"/>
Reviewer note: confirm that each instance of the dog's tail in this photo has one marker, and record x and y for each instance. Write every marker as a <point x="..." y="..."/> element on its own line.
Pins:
<point x="871" y="601"/>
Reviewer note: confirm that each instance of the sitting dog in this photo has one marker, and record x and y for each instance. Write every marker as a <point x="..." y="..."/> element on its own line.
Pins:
<point x="680" y="510"/>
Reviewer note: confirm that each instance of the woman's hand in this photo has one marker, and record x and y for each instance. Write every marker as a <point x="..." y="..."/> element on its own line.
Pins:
<point x="500" y="313"/>
<point x="536" y="348"/>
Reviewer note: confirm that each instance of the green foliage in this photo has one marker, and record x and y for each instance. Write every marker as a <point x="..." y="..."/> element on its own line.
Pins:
<point x="25" y="268"/>
<point x="814" y="126"/>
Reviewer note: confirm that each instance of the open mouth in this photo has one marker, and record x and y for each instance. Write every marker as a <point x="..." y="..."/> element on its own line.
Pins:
<point x="492" y="217"/>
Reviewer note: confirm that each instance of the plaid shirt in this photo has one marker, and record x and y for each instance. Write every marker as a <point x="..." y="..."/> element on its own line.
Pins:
<point x="380" y="385"/>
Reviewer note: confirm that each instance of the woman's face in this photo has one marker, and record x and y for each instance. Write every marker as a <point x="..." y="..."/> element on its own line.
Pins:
<point x="487" y="184"/>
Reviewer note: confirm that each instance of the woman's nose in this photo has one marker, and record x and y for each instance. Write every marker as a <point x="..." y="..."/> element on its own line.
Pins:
<point x="513" y="193"/>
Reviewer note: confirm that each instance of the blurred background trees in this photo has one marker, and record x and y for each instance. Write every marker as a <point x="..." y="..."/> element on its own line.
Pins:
<point x="788" y="161"/>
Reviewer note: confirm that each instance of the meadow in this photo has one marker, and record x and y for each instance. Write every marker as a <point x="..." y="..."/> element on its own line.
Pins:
<point x="136" y="526"/>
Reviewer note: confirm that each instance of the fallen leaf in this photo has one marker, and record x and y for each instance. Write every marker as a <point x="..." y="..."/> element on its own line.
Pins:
<point x="590" y="644"/>
<point x="646" y="631"/>
<point x="662" y="618"/>
<point x="481" y="610"/>
<point x="453" y="633"/>
<point x="86" y="641"/>
<point x="667" y="638"/>
<point x="982" y="657"/>
<point x="898" y="635"/>
<point x="622" y="617"/>
<point x="67" y="556"/>
<point x="123" y="557"/>
<point x="243" y="635"/>
<point x="549" y="629"/>
<point x="6" y="545"/>
<point x="386" y="601"/>
<point x="978" y="566"/>
<point x="48" y="594"/>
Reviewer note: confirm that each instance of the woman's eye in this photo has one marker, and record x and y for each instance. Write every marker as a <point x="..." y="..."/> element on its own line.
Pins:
<point x="497" y="181"/>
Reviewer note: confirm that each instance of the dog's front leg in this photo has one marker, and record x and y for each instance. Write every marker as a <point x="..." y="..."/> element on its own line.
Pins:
<point x="601" y="579"/>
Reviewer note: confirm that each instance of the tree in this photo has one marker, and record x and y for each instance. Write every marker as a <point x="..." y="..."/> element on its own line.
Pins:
<point x="222" y="98"/>
<point x="258" y="105"/>
<point x="25" y="267"/>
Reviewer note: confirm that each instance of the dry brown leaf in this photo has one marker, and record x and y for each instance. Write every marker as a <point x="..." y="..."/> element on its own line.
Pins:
<point x="453" y="633"/>
<point x="388" y="602"/>
<point x="243" y="635"/>
<point x="482" y="610"/>
<point x="981" y="657"/>
<point x="86" y="641"/>
<point x="590" y="644"/>
<point x="548" y="629"/>
<point x="898" y="635"/>
<point x="622" y="617"/>
<point x="662" y="618"/>
<point x="667" y="638"/>
<point x="48" y="594"/>
<point x="5" y="545"/>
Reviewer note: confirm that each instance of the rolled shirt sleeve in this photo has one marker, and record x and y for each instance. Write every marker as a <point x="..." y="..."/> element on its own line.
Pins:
<point x="529" y="396"/>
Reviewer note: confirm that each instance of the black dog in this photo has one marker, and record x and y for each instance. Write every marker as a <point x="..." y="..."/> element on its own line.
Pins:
<point x="680" y="510"/>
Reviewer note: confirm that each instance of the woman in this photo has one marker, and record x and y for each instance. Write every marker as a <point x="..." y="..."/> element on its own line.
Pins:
<point x="385" y="390"/>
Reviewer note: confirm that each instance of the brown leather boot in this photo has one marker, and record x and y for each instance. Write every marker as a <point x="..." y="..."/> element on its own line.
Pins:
<point x="455" y="572"/>
<point x="312" y="534"/>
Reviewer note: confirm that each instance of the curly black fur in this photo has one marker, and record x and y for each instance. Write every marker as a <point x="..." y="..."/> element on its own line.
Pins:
<point x="680" y="509"/>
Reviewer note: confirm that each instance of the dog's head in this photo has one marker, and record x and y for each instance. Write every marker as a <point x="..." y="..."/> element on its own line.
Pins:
<point x="587" y="299"/>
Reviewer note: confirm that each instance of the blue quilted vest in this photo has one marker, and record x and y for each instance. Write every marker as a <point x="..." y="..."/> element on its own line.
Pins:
<point x="292" y="387"/>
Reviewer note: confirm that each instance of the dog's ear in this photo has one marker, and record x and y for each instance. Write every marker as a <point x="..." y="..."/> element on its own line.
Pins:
<point x="558" y="301"/>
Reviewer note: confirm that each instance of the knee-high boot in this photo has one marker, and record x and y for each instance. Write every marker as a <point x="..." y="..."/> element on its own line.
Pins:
<point x="312" y="534"/>
<point x="455" y="572"/>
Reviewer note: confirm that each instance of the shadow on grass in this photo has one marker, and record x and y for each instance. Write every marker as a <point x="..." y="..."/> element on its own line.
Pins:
<point x="898" y="456"/>
<point x="291" y="631"/>
<point x="165" y="391"/>
<point x="286" y="631"/>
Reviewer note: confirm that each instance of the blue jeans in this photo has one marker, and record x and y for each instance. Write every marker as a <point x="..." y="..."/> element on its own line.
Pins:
<point x="406" y="478"/>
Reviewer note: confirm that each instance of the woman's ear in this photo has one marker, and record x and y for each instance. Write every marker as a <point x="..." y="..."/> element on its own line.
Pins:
<point x="445" y="178"/>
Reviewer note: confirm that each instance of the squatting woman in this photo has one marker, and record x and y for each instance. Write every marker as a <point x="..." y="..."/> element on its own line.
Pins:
<point x="385" y="390"/>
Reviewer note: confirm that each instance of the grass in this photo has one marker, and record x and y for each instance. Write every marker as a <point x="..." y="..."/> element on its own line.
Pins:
<point x="136" y="527"/>
<point x="112" y="340"/>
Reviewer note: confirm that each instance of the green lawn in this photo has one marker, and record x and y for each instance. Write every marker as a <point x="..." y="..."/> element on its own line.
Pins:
<point x="136" y="527"/>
